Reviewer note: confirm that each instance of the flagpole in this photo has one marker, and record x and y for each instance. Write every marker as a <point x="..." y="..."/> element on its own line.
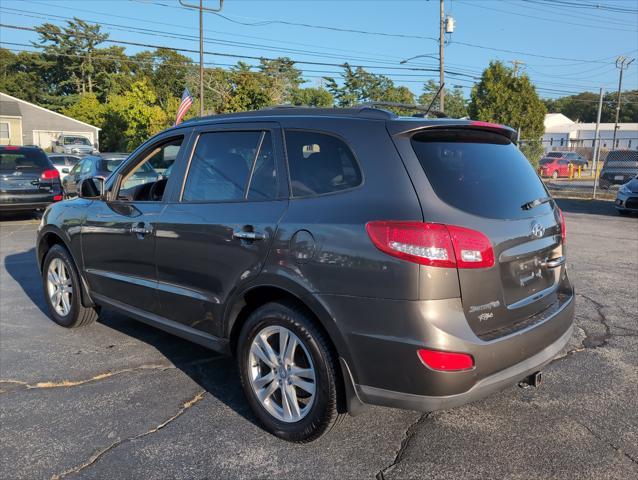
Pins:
<point x="201" y="9"/>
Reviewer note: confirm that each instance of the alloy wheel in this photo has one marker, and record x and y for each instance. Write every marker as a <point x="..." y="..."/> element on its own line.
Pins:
<point x="59" y="287"/>
<point x="282" y="374"/>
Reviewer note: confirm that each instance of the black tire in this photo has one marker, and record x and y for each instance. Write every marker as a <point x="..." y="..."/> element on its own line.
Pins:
<point x="603" y="185"/>
<point x="324" y="412"/>
<point x="555" y="174"/>
<point x="78" y="315"/>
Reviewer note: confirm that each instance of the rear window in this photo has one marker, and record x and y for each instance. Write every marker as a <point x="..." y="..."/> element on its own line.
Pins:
<point x="545" y="161"/>
<point x="554" y="155"/>
<point x="479" y="172"/>
<point x="23" y="159"/>
<point x="616" y="159"/>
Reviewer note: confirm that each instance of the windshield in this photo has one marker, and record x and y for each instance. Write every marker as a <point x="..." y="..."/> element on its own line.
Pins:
<point x="23" y="159"/>
<point x="76" y="141"/>
<point x="479" y="172"/>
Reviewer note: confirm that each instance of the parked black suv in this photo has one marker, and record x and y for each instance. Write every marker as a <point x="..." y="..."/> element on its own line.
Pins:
<point x="28" y="179"/>
<point x="619" y="167"/>
<point x="344" y="256"/>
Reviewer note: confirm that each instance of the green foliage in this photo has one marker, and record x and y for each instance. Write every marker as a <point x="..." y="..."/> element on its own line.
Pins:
<point x="87" y="109"/>
<point x="584" y="106"/>
<point x="130" y="118"/>
<point x="361" y="86"/>
<point x="502" y="97"/>
<point x="455" y="104"/>
<point x="312" y="97"/>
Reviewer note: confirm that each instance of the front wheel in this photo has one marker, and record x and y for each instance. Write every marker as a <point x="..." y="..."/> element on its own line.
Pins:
<point x="289" y="372"/>
<point x="61" y="284"/>
<point x="555" y="174"/>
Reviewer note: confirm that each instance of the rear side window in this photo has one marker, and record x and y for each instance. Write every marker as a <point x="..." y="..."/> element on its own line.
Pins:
<point x="231" y="166"/>
<point x="319" y="164"/>
<point x="479" y="172"/>
<point x="23" y="159"/>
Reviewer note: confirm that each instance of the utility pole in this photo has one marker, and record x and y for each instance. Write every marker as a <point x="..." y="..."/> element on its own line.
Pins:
<point x="516" y="63"/>
<point x="441" y="63"/>
<point x="623" y="64"/>
<point x="201" y="9"/>
<point x="597" y="141"/>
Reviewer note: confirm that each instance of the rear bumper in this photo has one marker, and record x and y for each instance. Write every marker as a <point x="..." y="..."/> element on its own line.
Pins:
<point x="383" y="337"/>
<point x="481" y="389"/>
<point x="19" y="203"/>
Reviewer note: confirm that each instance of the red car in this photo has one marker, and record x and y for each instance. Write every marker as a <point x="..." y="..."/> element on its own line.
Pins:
<point x="556" y="164"/>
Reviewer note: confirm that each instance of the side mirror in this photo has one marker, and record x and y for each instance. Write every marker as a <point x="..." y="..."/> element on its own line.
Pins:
<point x="92" y="188"/>
<point x="65" y="170"/>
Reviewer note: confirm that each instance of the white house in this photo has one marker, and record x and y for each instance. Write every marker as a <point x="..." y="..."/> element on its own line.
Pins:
<point x="561" y="131"/>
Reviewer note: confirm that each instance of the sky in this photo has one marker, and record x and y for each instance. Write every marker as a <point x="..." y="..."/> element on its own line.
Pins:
<point x="566" y="46"/>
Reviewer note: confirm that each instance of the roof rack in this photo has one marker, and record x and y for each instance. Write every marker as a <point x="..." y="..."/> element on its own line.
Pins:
<point x="423" y="111"/>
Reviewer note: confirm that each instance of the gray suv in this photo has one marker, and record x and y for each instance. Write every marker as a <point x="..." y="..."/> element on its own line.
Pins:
<point x="345" y="257"/>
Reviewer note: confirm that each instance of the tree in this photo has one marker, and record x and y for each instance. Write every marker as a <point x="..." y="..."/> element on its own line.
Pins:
<point x="131" y="118"/>
<point x="583" y="107"/>
<point x="19" y="76"/>
<point x="502" y="97"/>
<point x="361" y="86"/>
<point x="70" y="52"/>
<point x="312" y="97"/>
<point x="455" y="103"/>
<point x="87" y="109"/>
<point x="283" y="78"/>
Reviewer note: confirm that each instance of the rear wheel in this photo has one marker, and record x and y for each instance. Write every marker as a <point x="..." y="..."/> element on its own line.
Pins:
<point x="62" y="290"/>
<point x="555" y="174"/>
<point x="288" y="372"/>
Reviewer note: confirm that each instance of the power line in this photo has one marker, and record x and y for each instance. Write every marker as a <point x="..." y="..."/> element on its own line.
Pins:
<point x="555" y="20"/>
<point x="369" y="32"/>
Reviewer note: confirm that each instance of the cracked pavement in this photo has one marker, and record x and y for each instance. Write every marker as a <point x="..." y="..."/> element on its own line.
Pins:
<point x="119" y="399"/>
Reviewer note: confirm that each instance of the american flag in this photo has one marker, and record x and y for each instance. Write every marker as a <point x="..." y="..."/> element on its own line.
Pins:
<point x="184" y="105"/>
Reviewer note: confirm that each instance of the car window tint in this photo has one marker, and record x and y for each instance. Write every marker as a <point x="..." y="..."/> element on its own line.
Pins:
<point x="319" y="164"/>
<point x="85" y="166"/>
<point x="220" y="166"/>
<point x="263" y="184"/>
<point x="12" y="159"/>
<point x="467" y="170"/>
<point x="58" y="161"/>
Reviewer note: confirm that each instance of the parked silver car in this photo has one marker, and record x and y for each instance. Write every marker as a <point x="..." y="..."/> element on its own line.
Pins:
<point x="627" y="197"/>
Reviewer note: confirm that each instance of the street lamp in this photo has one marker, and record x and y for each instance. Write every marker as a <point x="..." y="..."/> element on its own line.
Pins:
<point x="429" y="55"/>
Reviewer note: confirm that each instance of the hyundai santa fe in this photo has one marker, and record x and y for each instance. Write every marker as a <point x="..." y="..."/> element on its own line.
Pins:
<point x="345" y="257"/>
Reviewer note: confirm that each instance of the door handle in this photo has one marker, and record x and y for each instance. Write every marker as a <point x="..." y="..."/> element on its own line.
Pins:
<point x="554" y="262"/>
<point x="248" y="235"/>
<point x="141" y="229"/>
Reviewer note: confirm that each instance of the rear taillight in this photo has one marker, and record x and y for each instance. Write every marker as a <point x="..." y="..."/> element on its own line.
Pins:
<point x="432" y="244"/>
<point x="563" y="229"/>
<point x="446" y="361"/>
<point x="50" y="174"/>
<point x="57" y="198"/>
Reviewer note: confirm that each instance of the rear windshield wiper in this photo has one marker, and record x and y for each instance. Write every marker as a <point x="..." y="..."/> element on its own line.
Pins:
<point x="535" y="203"/>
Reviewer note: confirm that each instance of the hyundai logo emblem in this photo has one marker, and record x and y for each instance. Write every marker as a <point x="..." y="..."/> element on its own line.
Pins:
<point x="537" y="230"/>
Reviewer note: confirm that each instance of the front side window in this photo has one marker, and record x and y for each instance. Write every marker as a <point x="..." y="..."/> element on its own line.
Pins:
<point x="319" y="164"/>
<point x="231" y="166"/>
<point x="145" y="182"/>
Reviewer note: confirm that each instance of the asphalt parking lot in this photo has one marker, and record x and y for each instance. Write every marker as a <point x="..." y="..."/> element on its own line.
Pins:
<point x="119" y="399"/>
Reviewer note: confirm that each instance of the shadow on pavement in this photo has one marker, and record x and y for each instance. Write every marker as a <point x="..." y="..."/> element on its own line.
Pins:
<point x="590" y="206"/>
<point x="215" y="373"/>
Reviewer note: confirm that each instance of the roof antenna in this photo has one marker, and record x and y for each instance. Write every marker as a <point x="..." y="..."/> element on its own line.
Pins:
<point x="436" y="95"/>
